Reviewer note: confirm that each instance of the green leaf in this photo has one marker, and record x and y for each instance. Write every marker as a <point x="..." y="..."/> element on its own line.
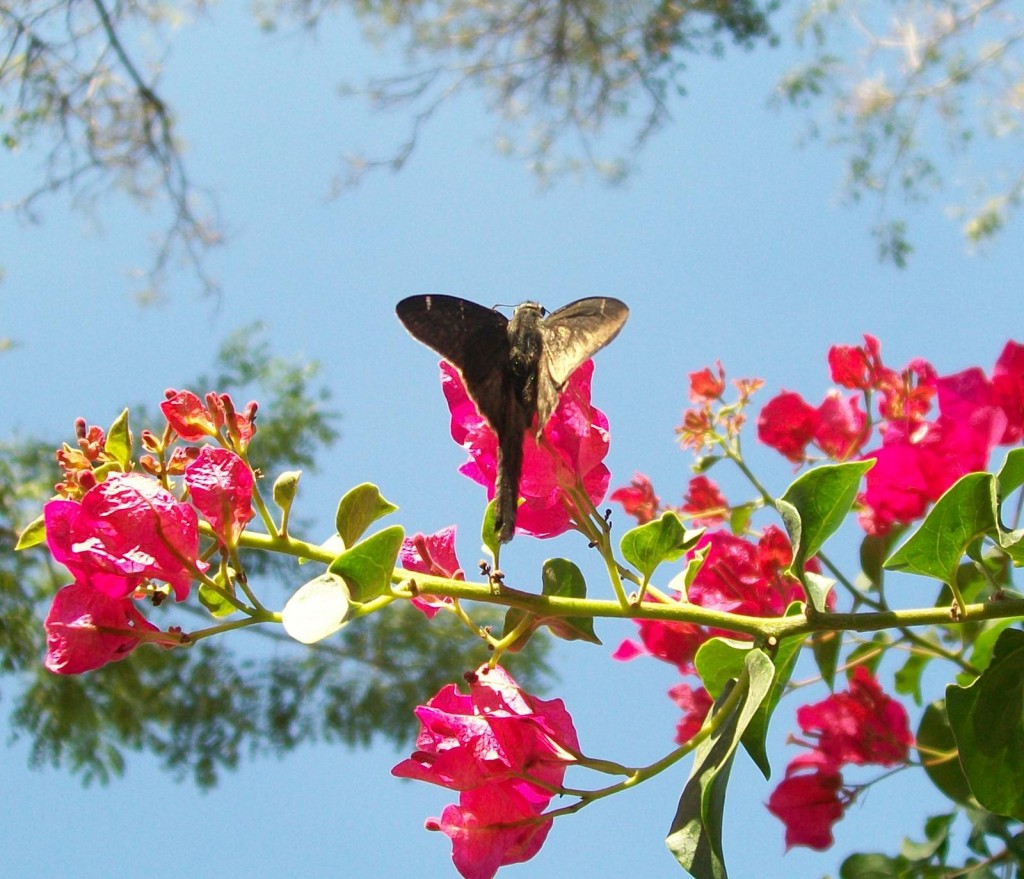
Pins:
<point x="908" y="676"/>
<point x="119" y="441"/>
<point x="695" y="837"/>
<point x="936" y="840"/>
<point x="317" y="609"/>
<point x="825" y="647"/>
<point x="939" y="754"/>
<point x="816" y="504"/>
<point x="358" y="509"/>
<point x="987" y="725"/>
<point x="662" y="540"/>
<point x="1011" y="474"/>
<point x="1009" y="478"/>
<point x="562" y="578"/>
<point x="959" y="517"/>
<point x="984" y="644"/>
<point x="874" y="549"/>
<point x="817" y="588"/>
<point x="864" y="865"/>
<point x="755" y="739"/>
<point x="33" y="535"/>
<point x="367" y="567"/>
<point x="720" y="660"/>
<point x="215" y="602"/>
<point x="739" y="518"/>
<point x="489" y="532"/>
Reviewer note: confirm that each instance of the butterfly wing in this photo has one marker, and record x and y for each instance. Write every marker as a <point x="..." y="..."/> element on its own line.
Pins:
<point x="572" y="335"/>
<point x="469" y="336"/>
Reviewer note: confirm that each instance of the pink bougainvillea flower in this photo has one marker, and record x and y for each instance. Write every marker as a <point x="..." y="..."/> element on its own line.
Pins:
<point x="695" y="703"/>
<point x="187" y="415"/>
<point x="706" y="386"/>
<point x="506" y="752"/>
<point x="841" y="427"/>
<point x="496" y="732"/>
<point x="787" y="424"/>
<point x="638" y="499"/>
<point x="221" y="484"/>
<point x="1008" y="391"/>
<point x="741" y="577"/>
<point x="192" y="420"/>
<point x="672" y="642"/>
<point x="86" y="629"/>
<point x="862" y="725"/>
<point x="895" y="488"/>
<point x="917" y="463"/>
<point x="576" y="432"/>
<point x="431" y="554"/>
<point x="491" y="827"/>
<point x="809" y="801"/>
<point x="737" y="577"/>
<point x="857" y="367"/>
<point x="705" y="502"/>
<point x="907" y="395"/>
<point x="125" y="529"/>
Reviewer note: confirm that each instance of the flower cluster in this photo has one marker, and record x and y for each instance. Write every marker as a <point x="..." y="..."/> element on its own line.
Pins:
<point x="506" y="753"/>
<point x="123" y="533"/>
<point x="711" y="422"/>
<point x="737" y="576"/>
<point x="569" y="454"/>
<point x="920" y="455"/>
<point x="860" y="726"/>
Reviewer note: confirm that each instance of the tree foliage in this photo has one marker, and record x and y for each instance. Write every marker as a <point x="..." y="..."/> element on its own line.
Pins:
<point x="923" y="98"/>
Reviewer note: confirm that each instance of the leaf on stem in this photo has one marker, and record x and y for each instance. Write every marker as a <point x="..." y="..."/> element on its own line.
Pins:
<point x="317" y="609"/>
<point x="695" y="837"/>
<point x="939" y="756"/>
<point x="816" y="504"/>
<point x="986" y="721"/>
<point x="358" y="509"/>
<point x="562" y="578"/>
<point x="367" y="567"/>
<point x="119" y="441"/>
<point x="662" y="540"/>
<point x="964" y="514"/>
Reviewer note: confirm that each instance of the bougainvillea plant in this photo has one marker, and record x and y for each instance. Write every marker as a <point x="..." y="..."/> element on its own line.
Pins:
<point x="729" y="592"/>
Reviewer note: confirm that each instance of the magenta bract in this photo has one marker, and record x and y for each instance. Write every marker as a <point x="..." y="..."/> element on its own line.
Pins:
<point x="86" y="629"/>
<point x="124" y="530"/>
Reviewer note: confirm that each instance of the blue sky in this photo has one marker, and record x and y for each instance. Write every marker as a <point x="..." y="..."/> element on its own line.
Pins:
<point x="728" y="243"/>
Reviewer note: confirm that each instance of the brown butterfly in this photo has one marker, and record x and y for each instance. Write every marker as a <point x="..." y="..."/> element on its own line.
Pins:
<point x="513" y="368"/>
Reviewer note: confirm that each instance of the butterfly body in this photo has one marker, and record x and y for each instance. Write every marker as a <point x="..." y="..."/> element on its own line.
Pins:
<point x="513" y="369"/>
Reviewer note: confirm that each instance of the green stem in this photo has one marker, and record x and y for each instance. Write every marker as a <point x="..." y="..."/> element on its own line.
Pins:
<point x="638" y="776"/>
<point x="764" y="627"/>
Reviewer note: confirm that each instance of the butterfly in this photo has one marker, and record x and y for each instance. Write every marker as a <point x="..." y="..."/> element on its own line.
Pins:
<point x="513" y="368"/>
